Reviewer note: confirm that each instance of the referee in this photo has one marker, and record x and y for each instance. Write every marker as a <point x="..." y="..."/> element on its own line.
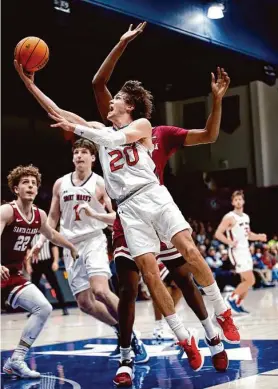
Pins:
<point x="48" y="264"/>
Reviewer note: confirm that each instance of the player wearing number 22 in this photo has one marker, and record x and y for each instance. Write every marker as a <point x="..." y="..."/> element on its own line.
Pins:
<point x="21" y="220"/>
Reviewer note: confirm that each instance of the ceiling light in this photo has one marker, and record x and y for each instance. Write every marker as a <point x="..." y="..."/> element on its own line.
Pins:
<point x="215" y="11"/>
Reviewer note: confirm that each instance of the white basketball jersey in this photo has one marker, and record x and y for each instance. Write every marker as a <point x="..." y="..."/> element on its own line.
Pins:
<point x="240" y="230"/>
<point x="75" y="226"/>
<point x="126" y="169"/>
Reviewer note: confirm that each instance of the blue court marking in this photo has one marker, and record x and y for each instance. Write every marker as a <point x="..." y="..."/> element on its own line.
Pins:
<point x="86" y="364"/>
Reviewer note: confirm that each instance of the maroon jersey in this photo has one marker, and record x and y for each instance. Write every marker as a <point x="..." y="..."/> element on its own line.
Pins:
<point x="167" y="140"/>
<point x="17" y="236"/>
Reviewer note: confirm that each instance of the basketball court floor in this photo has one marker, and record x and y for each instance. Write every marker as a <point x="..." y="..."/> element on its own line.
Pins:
<point x="73" y="351"/>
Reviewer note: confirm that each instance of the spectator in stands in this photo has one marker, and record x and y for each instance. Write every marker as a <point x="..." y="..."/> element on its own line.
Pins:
<point x="212" y="260"/>
<point x="201" y="237"/>
<point x="203" y="250"/>
<point x="226" y="263"/>
<point x="273" y="242"/>
<point x="209" y="232"/>
<point x="207" y="243"/>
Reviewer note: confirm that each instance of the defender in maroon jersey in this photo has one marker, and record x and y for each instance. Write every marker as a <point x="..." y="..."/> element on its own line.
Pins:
<point x="21" y="220"/>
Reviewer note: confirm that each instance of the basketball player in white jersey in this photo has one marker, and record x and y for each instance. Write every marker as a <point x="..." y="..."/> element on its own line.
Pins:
<point x="80" y="202"/>
<point x="146" y="208"/>
<point x="236" y="226"/>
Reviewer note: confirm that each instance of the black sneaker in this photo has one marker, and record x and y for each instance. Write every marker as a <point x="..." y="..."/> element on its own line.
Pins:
<point x="65" y="312"/>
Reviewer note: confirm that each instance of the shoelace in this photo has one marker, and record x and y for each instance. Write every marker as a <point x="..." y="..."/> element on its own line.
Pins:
<point x="189" y="350"/>
<point x="228" y="321"/>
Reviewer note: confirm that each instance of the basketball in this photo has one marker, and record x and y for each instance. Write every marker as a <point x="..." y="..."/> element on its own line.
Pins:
<point x="32" y="53"/>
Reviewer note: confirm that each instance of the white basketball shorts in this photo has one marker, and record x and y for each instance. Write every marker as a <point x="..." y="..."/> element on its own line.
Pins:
<point x="93" y="261"/>
<point x="241" y="259"/>
<point x="148" y="217"/>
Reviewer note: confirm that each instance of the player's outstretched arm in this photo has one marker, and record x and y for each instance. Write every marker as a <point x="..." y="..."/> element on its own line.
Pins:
<point x="139" y="129"/>
<point x="254" y="236"/>
<point x="54" y="236"/>
<point x="224" y="226"/>
<point x="44" y="100"/>
<point x="101" y="78"/>
<point x="210" y="133"/>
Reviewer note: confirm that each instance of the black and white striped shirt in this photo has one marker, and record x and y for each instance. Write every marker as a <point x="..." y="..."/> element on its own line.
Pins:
<point x="45" y="252"/>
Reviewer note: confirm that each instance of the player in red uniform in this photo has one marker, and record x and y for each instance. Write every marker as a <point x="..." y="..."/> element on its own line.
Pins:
<point x="21" y="220"/>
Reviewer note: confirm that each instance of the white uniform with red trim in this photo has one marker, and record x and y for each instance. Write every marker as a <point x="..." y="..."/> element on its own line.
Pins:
<point x="146" y="208"/>
<point x="240" y="256"/>
<point x="85" y="232"/>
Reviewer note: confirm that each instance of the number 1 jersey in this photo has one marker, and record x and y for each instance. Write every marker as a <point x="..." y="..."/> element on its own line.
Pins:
<point x="75" y="225"/>
<point x="126" y="169"/>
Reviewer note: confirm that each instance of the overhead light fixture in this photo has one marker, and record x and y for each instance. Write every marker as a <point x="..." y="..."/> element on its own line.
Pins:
<point x="62" y="5"/>
<point x="215" y="11"/>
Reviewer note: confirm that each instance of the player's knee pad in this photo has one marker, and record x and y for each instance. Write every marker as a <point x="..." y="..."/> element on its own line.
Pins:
<point x="32" y="300"/>
<point x="42" y="310"/>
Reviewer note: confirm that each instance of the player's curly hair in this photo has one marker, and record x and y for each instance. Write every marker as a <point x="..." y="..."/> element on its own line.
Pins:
<point x="86" y="144"/>
<point x="237" y="193"/>
<point x="22" y="171"/>
<point x="138" y="96"/>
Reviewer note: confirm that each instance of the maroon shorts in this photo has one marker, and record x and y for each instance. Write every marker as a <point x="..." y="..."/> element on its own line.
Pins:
<point x="166" y="254"/>
<point x="12" y="288"/>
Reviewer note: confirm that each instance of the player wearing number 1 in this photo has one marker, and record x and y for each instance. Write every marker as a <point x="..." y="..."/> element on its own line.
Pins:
<point x="20" y="222"/>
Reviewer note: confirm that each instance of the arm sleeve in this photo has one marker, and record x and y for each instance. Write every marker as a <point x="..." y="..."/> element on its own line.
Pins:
<point x="174" y="138"/>
<point x="103" y="138"/>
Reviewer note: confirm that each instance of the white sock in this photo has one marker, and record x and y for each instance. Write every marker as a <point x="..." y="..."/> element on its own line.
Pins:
<point x="210" y="329"/>
<point x="159" y="324"/>
<point x="177" y="327"/>
<point x="20" y="352"/>
<point x="213" y="294"/>
<point x="125" y="353"/>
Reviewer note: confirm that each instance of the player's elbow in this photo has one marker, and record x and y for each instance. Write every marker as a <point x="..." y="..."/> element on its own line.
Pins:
<point x="208" y="137"/>
<point x="98" y="81"/>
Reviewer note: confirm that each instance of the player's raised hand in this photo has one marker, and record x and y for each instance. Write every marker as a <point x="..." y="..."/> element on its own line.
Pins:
<point x="61" y="121"/>
<point x="27" y="78"/>
<point x="5" y="273"/>
<point x="33" y="254"/>
<point x="133" y="33"/>
<point x="221" y="84"/>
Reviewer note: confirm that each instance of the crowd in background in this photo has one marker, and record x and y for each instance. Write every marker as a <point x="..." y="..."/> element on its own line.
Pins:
<point x="265" y="256"/>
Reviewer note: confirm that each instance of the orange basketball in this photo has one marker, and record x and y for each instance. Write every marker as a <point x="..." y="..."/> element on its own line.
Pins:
<point x="32" y="53"/>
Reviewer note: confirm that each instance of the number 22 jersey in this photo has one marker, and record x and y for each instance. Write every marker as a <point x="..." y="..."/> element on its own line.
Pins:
<point x="17" y="236"/>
